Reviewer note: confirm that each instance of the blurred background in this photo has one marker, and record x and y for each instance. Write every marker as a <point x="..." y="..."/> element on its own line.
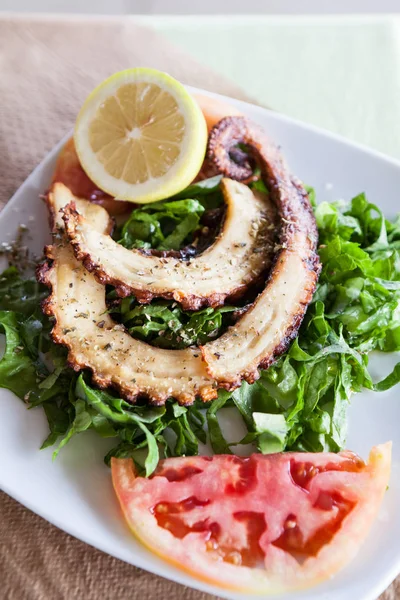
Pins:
<point x="203" y="6"/>
<point x="333" y="63"/>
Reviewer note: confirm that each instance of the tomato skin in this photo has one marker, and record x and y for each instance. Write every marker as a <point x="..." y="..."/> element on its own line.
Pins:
<point x="203" y="519"/>
<point x="214" y="109"/>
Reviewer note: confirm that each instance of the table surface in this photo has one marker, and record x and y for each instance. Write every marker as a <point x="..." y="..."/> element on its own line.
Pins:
<point x="340" y="73"/>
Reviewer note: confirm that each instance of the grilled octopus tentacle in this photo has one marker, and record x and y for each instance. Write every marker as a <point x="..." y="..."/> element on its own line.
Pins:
<point x="258" y="337"/>
<point x="246" y="243"/>
<point x="223" y="152"/>
<point x="95" y="341"/>
<point x="271" y="323"/>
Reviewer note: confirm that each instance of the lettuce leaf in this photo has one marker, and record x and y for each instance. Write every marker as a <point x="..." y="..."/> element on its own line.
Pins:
<point x="355" y="310"/>
<point x="17" y="370"/>
<point x="299" y="403"/>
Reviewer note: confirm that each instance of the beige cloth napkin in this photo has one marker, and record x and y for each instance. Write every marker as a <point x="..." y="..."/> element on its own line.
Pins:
<point x="48" y="67"/>
<point x="46" y="70"/>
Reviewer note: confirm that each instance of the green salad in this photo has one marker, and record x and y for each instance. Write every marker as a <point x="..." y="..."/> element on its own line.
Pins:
<point x="300" y="403"/>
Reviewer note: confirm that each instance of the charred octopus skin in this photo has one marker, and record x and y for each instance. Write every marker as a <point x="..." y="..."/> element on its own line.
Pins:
<point x="267" y="328"/>
<point x="241" y="253"/>
<point x="223" y="152"/>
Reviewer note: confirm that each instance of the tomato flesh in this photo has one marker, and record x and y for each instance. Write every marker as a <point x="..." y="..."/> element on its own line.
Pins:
<point x="263" y="523"/>
<point x="170" y="515"/>
<point x="244" y="478"/>
<point x="303" y="472"/>
<point x="179" y="475"/>
<point x="292" y="540"/>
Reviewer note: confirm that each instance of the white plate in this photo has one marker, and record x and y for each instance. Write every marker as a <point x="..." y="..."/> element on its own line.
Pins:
<point x="75" y="492"/>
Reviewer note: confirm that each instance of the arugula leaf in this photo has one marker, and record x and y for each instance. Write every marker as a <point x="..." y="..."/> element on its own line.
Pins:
<point x="272" y="430"/>
<point x="20" y="295"/>
<point x="141" y="427"/>
<point x="299" y="403"/>
<point x="388" y="382"/>
<point x="81" y="422"/>
<point x="196" y="421"/>
<point x="30" y="331"/>
<point x="201" y="188"/>
<point x="217" y="440"/>
<point x="59" y="421"/>
<point x="162" y="225"/>
<point x="169" y="224"/>
<point x="166" y="325"/>
<point x="22" y="372"/>
<point x="117" y="410"/>
<point x="17" y="370"/>
<point x="355" y="310"/>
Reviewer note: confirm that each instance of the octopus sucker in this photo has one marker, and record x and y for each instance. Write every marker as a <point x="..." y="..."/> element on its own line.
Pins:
<point x="223" y="151"/>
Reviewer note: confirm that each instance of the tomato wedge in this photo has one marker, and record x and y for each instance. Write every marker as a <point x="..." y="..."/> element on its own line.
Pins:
<point x="259" y="524"/>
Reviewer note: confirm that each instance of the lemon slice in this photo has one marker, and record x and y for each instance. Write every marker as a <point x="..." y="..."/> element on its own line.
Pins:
<point x="140" y="136"/>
